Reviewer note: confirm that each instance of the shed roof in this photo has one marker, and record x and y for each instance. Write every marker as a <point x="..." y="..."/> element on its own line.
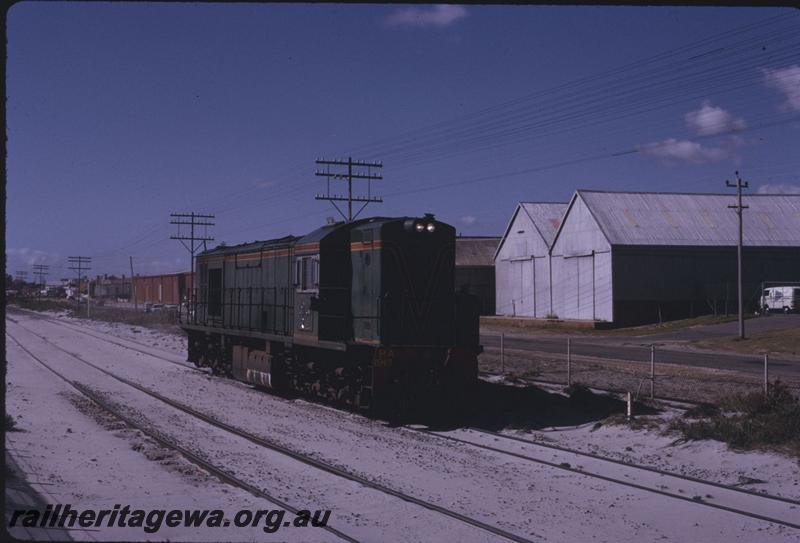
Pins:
<point x="546" y="217"/>
<point x="476" y="251"/>
<point x="657" y="218"/>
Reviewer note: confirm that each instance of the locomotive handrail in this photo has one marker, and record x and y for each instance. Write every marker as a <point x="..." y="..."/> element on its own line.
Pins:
<point x="241" y="308"/>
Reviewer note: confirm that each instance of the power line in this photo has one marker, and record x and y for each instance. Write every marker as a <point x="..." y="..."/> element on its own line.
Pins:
<point x="192" y="220"/>
<point x="41" y="270"/>
<point x="80" y="264"/>
<point x="349" y="176"/>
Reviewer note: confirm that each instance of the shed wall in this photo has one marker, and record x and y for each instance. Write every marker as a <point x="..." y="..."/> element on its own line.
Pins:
<point x="581" y="268"/>
<point x="522" y="271"/>
<point x="664" y="283"/>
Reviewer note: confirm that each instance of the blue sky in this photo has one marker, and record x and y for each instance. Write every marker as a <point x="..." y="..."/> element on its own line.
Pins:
<point x="119" y="114"/>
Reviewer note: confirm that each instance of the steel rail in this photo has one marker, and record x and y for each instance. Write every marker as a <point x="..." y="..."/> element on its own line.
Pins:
<point x="318" y="464"/>
<point x="640" y="467"/>
<point x="75" y="329"/>
<point x="164" y="442"/>
<point x="612" y="479"/>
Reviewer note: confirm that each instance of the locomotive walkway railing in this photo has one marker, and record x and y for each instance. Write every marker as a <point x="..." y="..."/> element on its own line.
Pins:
<point x="267" y="310"/>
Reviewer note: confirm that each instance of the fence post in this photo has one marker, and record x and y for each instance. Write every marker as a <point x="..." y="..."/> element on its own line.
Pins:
<point x="766" y="374"/>
<point x="652" y="372"/>
<point x="569" y="364"/>
<point x="502" y="354"/>
<point x="629" y="402"/>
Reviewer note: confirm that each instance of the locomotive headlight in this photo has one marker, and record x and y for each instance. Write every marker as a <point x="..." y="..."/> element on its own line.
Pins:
<point x="431" y="227"/>
<point x="419" y="227"/>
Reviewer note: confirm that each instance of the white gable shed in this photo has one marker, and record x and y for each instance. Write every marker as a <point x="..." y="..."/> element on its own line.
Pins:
<point x="630" y="257"/>
<point x="522" y="261"/>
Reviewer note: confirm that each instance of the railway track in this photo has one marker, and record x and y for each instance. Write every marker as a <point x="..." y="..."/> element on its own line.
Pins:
<point x="701" y="489"/>
<point x="701" y="498"/>
<point x="222" y="475"/>
<point x="148" y="350"/>
<point x="269" y="444"/>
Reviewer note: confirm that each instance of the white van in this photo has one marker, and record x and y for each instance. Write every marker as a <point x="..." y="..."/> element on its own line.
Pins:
<point x="780" y="298"/>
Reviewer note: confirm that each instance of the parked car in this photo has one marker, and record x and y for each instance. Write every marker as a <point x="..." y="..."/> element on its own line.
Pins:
<point x="781" y="298"/>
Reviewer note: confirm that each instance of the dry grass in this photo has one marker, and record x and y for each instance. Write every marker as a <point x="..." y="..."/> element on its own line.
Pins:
<point x="542" y="326"/>
<point x="749" y="421"/>
<point x="44" y="304"/>
<point x="165" y="321"/>
<point x="782" y="340"/>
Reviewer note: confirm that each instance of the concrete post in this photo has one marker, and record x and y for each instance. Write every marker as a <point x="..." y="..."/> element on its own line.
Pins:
<point x="652" y="372"/>
<point x="569" y="363"/>
<point x="502" y="354"/>
<point x="629" y="399"/>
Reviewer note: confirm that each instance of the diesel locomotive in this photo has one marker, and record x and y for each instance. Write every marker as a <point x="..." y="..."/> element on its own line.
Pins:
<point x="360" y="313"/>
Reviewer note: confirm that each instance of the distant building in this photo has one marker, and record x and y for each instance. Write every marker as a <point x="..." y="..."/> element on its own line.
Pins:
<point x="631" y="257"/>
<point x="522" y="260"/>
<point x="167" y="289"/>
<point x="111" y="287"/>
<point x="475" y="269"/>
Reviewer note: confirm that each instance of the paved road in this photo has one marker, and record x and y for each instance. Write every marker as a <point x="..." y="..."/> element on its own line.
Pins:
<point x="759" y="324"/>
<point x="590" y="347"/>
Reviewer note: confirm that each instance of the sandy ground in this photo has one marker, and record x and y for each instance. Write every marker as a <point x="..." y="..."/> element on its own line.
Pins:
<point x="531" y="500"/>
<point x="92" y="461"/>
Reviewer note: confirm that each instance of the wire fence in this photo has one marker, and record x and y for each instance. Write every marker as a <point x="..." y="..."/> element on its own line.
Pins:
<point x="649" y="376"/>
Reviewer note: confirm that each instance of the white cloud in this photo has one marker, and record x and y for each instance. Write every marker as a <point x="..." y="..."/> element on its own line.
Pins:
<point x="780" y="188"/>
<point x="30" y="256"/>
<point x="468" y="219"/>
<point x="689" y="151"/>
<point x="710" y="120"/>
<point x="440" y="15"/>
<point x="787" y="81"/>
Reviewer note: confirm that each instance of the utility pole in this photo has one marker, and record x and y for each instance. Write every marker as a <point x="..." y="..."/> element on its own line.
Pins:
<point x="41" y="271"/>
<point x="192" y="220"/>
<point x="22" y="277"/>
<point x="133" y="289"/>
<point x="739" y="185"/>
<point x="80" y="264"/>
<point x="349" y="176"/>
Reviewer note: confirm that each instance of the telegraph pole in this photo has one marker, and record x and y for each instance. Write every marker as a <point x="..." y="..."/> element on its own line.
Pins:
<point x="80" y="264"/>
<point x="349" y="176"/>
<point x="41" y="270"/>
<point x="22" y="276"/>
<point x="133" y="289"/>
<point x="192" y="220"/>
<point x="739" y="185"/>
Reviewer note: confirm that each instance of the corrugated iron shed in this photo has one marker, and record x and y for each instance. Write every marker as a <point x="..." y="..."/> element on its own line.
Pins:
<point x="636" y="218"/>
<point x="546" y="216"/>
<point x="476" y="251"/>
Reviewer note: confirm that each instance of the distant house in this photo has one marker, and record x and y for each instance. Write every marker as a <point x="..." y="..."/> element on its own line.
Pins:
<point x="475" y="269"/>
<point x="522" y="260"/>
